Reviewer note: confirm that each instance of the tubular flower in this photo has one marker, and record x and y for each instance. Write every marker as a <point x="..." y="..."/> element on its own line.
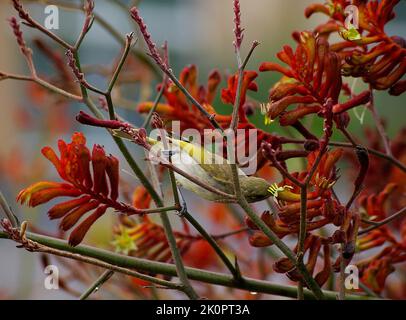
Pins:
<point x="288" y="195"/>
<point x="366" y="52"/>
<point x="94" y="188"/>
<point x="177" y="107"/>
<point x="141" y="198"/>
<point x="322" y="180"/>
<point x="228" y="95"/>
<point x="313" y="77"/>
<point x="373" y="209"/>
<point x="375" y="270"/>
<point x="322" y="210"/>
<point x="313" y="245"/>
<point x="145" y="239"/>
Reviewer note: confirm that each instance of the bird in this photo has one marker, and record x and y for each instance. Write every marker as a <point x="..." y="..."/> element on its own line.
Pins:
<point x="208" y="167"/>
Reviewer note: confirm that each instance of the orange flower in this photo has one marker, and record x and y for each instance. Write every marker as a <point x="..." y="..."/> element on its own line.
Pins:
<point x="141" y="198"/>
<point x="371" y="54"/>
<point x="94" y="190"/>
<point x="177" y="107"/>
<point x="201" y="255"/>
<point x="228" y="95"/>
<point x="313" y="77"/>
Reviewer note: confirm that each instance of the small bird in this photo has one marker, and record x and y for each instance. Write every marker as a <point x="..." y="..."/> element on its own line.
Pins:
<point x="209" y="168"/>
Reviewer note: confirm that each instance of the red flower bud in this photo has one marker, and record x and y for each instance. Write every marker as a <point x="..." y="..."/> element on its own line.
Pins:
<point x="87" y="119"/>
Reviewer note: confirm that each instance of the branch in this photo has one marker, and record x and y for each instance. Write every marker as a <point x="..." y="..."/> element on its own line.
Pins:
<point x="104" y="277"/>
<point x="376" y="153"/>
<point x="378" y="123"/>
<point x="29" y="21"/>
<point x="379" y="224"/>
<point x="211" y="240"/>
<point x="7" y="210"/>
<point x="38" y="243"/>
<point x="127" y="47"/>
<point x="125" y="263"/>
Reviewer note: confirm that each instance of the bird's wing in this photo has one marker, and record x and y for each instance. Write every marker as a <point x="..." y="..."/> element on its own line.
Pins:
<point x="215" y="165"/>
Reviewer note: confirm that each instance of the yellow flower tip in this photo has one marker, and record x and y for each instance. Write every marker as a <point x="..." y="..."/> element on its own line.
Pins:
<point x="283" y="193"/>
<point x="268" y="120"/>
<point x="324" y="183"/>
<point x="124" y="243"/>
<point x="350" y="34"/>
<point x="25" y="195"/>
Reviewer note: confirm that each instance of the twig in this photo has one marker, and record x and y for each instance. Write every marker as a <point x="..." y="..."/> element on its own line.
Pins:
<point x="341" y="283"/>
<point x="378" y="123"/>
<point x="241" y="68"/>
<point x="123" y="263"/>
<point x="271" y="155"/>
<point x="29" y="21"/>
<point x="153" y="109"/>
<point x="363" y="160"/>
<point x="376" y="153"/>
<point x="231" y="233"/>
<point x="38" y="243"/>
<point x="227" y="196"/>
<point x="88" y="8"/>
<point x="7" y="210"/>
<point x="180" y="268"/>
<point x="381" y="223"/>
<point x="302" y="234"/>
<point x="210" y="239"/>
<point x="104" y="277"/>
<point x="368" y="291"/>
<point x="161" y="91"/>
<point x="128" y="43"/>
<point x="154" y="210"/>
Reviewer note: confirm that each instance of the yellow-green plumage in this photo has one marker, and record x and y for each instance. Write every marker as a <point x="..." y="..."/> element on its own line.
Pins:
<point x="210" y="169"/>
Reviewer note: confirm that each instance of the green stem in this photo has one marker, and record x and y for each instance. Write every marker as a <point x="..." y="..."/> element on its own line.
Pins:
<point x="341" y="292"/>
<point x="7" y="210"/>
<point x="110" y="29"/>
<point x="235" y="272"/>
<point x="156" y="102"/>
<point x="300" y="292"/>
<point x="180" y="268"/>
<point x="376" y="153"/>
<point x="193" y="100"/>
<point x="284" y="248"/>
<point x="127" y="47"/>
<point x="105" y="276"/>
<point x="122" y="261"/>
<point x="302" y="233"/>
<point x="381" y="223"/>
